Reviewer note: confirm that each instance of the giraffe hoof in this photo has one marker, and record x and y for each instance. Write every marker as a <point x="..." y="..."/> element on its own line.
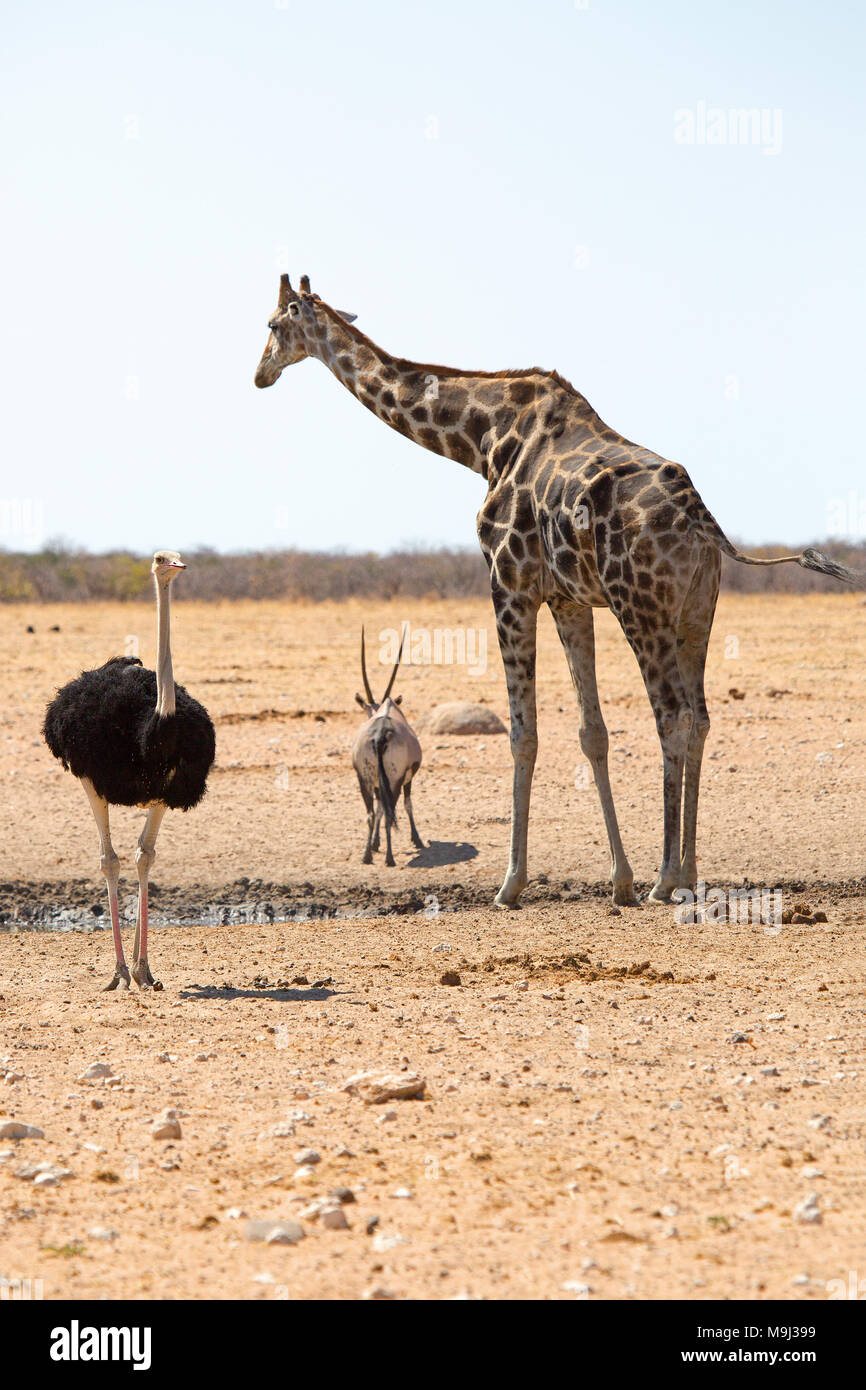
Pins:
<point x="660" y="895"/>
<point x="625" y="896"/>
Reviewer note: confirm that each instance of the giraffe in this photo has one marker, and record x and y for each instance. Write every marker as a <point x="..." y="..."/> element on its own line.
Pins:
<point x="577" y="517"/>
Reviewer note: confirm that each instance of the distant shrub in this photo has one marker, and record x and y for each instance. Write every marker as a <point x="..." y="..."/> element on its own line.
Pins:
<point x="60" y="574"/>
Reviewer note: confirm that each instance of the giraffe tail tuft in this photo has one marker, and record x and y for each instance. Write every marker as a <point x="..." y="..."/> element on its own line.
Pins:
<point x="812" y="559"/>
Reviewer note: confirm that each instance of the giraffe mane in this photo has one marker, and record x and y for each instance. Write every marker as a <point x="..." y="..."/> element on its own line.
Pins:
<point x="406" y="363"/>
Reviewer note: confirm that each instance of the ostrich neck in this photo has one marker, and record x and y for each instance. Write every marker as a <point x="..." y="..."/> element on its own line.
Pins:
<point x="164" y="673"/>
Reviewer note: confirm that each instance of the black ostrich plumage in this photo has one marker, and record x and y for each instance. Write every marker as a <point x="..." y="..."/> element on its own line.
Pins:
<point x="103" y="725"/>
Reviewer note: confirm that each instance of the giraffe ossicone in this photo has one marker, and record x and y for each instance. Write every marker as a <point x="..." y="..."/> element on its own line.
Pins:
<point x="577" y="517"/>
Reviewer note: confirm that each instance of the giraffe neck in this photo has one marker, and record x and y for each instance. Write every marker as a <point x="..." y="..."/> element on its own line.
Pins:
<point x="455" y="414"/>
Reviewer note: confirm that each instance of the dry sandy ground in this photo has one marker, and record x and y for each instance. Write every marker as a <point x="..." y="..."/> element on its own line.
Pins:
<point x="588" y="1133"/>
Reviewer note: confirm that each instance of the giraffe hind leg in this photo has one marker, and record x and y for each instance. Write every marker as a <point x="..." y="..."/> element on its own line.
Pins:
<point x="696" y="621"/>
<point x="574" y="623"/>
<point x="653" y="639"/>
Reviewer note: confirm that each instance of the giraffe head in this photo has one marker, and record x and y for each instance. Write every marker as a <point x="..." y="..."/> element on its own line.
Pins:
<point x="295" y="328"/>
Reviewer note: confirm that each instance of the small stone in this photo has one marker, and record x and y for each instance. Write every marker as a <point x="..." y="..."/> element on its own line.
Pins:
<point x="97" y="1071"/>
<point x="14" y="1129"/>
<point x="579" y="1290"/>
<point x="345" y="1195"/>
<point x="102" y="1233"/>
<point x="307" y="1156"/>
<point x="403" y="1192"/>
<point x="769" y="1071"/>
<point x="376" y="1087"/>
<point x="807" y="1212"/>
<point x="450" y="977"/>
<point x="378" y="1295"/>
<point x="167" y="1126"/>
<point x="522" y="986"/>
<point x="334" y="1218"/>
<point x="274" y="1232"/>
<point x="383" y="1241"/>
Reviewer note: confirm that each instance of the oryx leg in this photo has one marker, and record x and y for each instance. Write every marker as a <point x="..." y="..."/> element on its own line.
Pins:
<point x="407" y="801"/>
<point x="369" y="807"/>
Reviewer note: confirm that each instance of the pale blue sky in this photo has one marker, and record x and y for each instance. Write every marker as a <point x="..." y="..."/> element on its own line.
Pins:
<point x="485" y="183"/>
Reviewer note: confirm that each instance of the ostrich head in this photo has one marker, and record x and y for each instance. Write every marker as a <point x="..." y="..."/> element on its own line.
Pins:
<point x="296" y="330"/>
<point x="166" y="564"/>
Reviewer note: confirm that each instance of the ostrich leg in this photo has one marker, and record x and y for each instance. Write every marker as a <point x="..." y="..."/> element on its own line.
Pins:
<point x="109" y="866"/>
<point x="144" y="857"/>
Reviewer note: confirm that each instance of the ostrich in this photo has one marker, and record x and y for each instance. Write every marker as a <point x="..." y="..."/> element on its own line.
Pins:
<point x="133" y="738"/>
<point x="385" y="755"/>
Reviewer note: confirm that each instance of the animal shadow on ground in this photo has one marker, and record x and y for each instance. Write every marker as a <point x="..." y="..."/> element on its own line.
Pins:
<point x="443" y="852"/>
<point x="281" y="996"/>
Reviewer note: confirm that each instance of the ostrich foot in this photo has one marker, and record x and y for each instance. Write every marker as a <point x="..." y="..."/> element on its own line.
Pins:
<point x="142" y="976"/>
<point x="119" y="980"/>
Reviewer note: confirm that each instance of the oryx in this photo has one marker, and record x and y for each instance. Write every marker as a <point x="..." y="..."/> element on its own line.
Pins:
<point x="386" y="755"/>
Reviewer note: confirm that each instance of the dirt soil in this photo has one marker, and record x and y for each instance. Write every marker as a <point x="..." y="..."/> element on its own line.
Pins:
<point x="614" y="1105"/>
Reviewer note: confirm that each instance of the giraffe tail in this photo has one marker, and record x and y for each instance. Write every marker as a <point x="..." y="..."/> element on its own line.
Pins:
<point x="808" y="559"/>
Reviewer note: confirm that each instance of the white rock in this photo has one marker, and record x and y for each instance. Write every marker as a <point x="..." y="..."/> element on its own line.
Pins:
<point x="578" y="1289"/>
<point x="383" y="1241"/>
<point x="378" y="1295"/>
<point x="97" y="1071"/>
<point x="375" y="1087"/>
<point x="102" y="1233"/>
<point x="166" y="1126"/>
<point x="33" y="1172"/>
<point x="462" y="717"/>
<point x="14" y="1129"/>
<point x="807" y="1212"/>
<point x="274" y="1232"/>
<point x="307" y="1156"/>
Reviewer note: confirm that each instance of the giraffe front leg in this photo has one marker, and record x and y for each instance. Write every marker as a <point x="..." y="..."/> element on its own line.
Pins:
<point x="516" y="623"/>
<point x="144" y="857"/>
<point x="674" y="729"/>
